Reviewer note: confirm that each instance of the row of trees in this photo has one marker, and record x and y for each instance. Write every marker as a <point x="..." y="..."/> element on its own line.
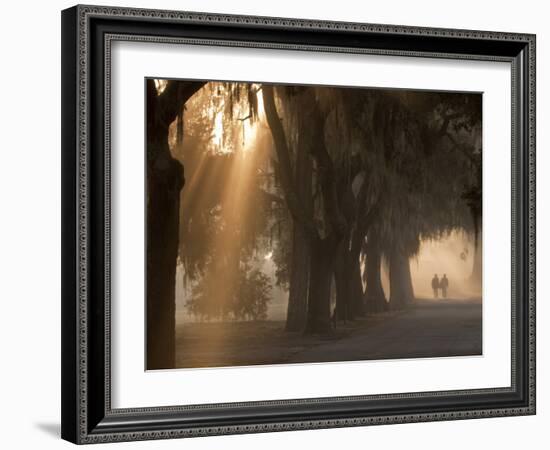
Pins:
<point x="338" y="181"/>
<point x="392" y="167"/>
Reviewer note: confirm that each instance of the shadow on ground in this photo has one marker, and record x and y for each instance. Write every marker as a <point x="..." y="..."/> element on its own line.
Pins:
<point x="429" y="328"/>
<point x="52" y="429"/>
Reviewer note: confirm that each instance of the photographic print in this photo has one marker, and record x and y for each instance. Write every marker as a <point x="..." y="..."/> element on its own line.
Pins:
<point x="371" y="218"/>
<point x="311" y="224"/>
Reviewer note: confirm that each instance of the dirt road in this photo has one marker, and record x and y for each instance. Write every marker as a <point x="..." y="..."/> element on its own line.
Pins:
<point x="445" y="328"/>
<point x="428" y="329"/>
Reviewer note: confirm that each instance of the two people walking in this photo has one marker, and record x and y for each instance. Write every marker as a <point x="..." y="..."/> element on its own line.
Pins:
<point x="442" y="284"/>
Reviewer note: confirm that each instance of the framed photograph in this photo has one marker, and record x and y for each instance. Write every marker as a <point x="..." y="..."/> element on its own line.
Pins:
<point x="280" y="224"/>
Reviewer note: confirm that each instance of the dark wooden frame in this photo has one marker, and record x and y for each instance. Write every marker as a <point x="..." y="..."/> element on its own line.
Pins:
<point x="87" y="32"/>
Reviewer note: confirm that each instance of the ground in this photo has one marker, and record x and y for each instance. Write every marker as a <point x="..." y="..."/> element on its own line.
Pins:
<point x="427" y="329"/>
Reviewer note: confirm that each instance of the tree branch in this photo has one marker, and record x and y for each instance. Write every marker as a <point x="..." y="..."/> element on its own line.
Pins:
<point x="271" y="197"/>
<point x="295" y="206"/>
<point x="464" y="149"/>
<point x="326" y="173"/>
<point x="446" y="121"/>
<point x="174" y="96"/>
<point x="367" y="219"/>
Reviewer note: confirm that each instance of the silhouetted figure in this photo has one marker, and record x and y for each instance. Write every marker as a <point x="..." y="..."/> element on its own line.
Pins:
<point x="435" y="286"/>
<point x="444" y="285"/>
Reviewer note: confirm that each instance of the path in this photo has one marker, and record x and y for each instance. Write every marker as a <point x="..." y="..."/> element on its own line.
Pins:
<point x="428" y="329"/>
<point x="444" y="328"/>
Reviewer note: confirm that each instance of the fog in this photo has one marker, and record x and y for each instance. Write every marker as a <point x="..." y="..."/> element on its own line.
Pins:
<point x="453" y="256"/>
<point x="232" y="224"/>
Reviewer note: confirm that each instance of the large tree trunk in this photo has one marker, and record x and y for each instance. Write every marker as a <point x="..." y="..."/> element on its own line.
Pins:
<point x="349" y="292"/>
<point x="299" y="280"/>
<point x="163" y="185"/>
<point x="355" y="282"/>
<point x="375" y="300"/>
<point x="350" y="296"/>
<point x="323" y="251"/>
<point x="165" y="179"/>
<point x="320" y="279"/>
<point x="474" y="200"/>
<point x="344" y="306"/>
<point x="341" y="288"/>
<point x="298" y="289"/>
<point x="287" y="176"/>
<point x="401" y="289"/>
<point x="477" y="267"/>
<point x="354" y="285"/>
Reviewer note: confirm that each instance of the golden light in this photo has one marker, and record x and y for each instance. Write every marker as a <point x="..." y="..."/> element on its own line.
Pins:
<point x="236" y="133"/>
<point x="160" y="85"/>
<point x="250" y="129"/>
<point x="218" y="131"/>
<point x="243" y="126"/>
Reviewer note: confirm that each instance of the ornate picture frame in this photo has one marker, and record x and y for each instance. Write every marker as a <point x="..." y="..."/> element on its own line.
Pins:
<point x="87" y="413"/>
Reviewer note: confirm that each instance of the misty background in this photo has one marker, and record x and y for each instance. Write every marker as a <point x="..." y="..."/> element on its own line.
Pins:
<point x="452" y="255"/>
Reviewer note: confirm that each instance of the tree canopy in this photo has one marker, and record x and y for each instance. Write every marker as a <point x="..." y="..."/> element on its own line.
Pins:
<point x="400" y="166"/>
